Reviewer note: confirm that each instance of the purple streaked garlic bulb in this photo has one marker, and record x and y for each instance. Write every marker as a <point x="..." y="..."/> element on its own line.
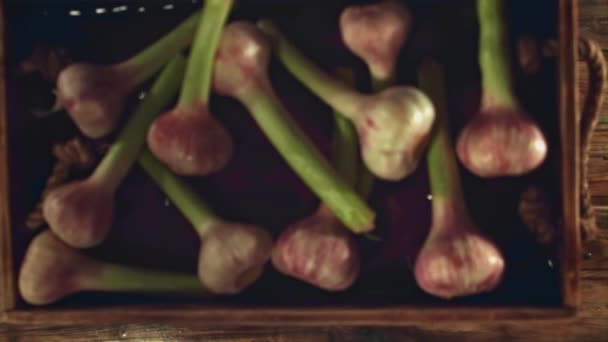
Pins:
<point x="95" y="95"/>
<point x="456" y="260"/>
<point x="319" y="251"/>
<point x="501" y="139"/>
<point x="188" y="139"/>
<point x="376" y="33"/>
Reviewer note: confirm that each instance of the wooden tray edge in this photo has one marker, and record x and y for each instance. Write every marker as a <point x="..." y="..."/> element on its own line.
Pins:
<point x="224" y="316"/>
<point x="8" y="293"/>
<point x="570" y="145"/>
<point x="568" y="97"/>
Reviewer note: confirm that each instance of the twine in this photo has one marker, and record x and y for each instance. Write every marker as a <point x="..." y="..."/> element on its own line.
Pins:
<point x="534" y="207"/>
<point x="74" y="154"/>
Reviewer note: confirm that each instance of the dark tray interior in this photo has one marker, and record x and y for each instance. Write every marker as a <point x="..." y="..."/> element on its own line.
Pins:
<point x="257" y="186"/>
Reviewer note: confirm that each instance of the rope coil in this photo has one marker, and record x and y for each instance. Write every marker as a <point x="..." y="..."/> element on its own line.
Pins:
<point x="591" y="53"/>
<point x="74" y="154"/>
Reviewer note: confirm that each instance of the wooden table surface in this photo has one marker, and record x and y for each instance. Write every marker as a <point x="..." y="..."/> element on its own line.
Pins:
<point x="591" y="325"/>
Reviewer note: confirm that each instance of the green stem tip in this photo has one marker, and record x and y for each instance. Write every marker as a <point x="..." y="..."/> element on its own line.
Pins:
<point x="494" y="56"/>
<point x="147" y="62"/>
<point x="196" y="88"/>
<point x="306" y="160"/>
<point x="120" y="278"/>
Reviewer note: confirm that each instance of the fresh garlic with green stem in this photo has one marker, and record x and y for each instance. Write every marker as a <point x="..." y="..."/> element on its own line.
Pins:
<point x="95" y="95"/>
<point x="502" y="139"/>
<point x="241" y="72"/>
<point x="393" y="125"/>
<point x="232" y="255"/>
<point x="456" y="259"/>
<point x="376" y="33"/>
<point x="188" y="139"/>
<point x="52" y="270"/>
<point x="317" y="249"/>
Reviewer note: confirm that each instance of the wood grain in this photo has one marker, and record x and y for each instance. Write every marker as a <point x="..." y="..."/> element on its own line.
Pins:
<point x="590" y="325"/>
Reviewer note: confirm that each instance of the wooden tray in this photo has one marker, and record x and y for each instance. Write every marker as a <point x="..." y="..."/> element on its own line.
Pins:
<point x="313" y="308"/>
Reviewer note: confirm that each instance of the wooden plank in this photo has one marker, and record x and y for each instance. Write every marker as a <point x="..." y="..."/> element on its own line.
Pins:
<point x="7" y="277"/>
<point x="165" y="332"/>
